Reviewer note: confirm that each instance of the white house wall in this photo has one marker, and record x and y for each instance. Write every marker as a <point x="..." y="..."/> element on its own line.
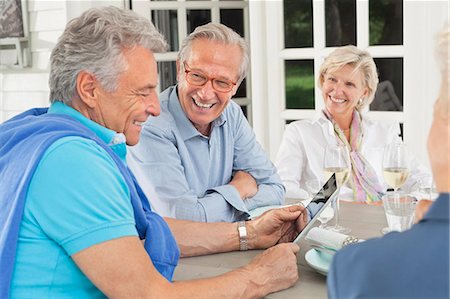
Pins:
<point x="21" y="89"/>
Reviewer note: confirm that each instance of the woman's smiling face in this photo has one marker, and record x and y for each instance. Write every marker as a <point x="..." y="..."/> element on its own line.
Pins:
<point x="341" y="91"/>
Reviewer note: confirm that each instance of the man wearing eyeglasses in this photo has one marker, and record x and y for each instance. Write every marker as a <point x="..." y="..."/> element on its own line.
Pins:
<point x="200" y="156"/>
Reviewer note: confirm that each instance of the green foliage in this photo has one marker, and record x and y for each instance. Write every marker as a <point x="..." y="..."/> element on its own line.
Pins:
<point x="299" y="85"/>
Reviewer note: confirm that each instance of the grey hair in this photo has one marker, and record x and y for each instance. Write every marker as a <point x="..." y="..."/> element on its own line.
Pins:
<point x="94" y="42"/>
<point x="360" y="60"/>
<point x="442" y="49"/>
<point x="219" y="33"/>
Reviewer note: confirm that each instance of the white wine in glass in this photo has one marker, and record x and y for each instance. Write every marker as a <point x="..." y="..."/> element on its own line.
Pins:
<point x="395" y="168"/>
<point x="395" y="165"/>
<point x="337" y="161"/>
<point x="395" y="176"/>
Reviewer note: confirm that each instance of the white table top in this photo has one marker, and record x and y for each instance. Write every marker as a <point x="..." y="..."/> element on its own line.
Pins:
<point x="365" y="221"/>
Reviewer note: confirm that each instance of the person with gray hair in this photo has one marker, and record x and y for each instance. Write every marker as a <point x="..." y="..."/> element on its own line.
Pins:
<point x="200" y="156"/>
<point x="413" y="263"/>
<point x="74" y="223"/>
<point x="348" y="80"/>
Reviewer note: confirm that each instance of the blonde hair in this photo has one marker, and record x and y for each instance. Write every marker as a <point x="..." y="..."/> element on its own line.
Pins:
<point x="360" y="60"/>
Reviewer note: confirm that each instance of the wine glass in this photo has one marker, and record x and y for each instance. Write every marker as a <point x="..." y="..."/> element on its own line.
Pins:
<point x="395" y="165"/>
<point x="326" y="215"/>
<point x="395" y="168"/>
<point x="427" y="188"/>
<point x="337" y="161"/>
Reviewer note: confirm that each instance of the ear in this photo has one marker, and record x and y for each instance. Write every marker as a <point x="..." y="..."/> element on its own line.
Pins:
<point x="235" y="88"/>
<point x="86" y="88"/>
<point x="365" y="93"/>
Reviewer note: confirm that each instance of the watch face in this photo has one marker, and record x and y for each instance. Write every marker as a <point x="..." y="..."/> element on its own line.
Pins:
<point x="242" y="230"/>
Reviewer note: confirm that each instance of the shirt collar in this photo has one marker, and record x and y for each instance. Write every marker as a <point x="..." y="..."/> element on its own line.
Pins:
<point x="116" y="141"/>
<point x="323" y="121"/>
<point x="318" y="117"/>
<point x="184" y="125"/>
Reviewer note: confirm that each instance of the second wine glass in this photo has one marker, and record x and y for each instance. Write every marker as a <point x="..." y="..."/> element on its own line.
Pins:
<point x="337" y="161"/>
<point x="395" y="165"/>
<point x="395" y="168"/>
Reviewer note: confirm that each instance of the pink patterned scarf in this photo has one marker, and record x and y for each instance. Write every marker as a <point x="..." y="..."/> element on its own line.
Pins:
<point x="364" y="180"/>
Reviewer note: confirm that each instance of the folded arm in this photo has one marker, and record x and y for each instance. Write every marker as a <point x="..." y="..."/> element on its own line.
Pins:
<point x="159" y="167"/>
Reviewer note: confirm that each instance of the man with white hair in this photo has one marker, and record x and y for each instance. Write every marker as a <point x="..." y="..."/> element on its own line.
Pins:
<point x="200" y="154"/>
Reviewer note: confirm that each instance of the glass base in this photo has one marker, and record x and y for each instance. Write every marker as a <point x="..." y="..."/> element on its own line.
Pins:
<point x="339" y="229"/>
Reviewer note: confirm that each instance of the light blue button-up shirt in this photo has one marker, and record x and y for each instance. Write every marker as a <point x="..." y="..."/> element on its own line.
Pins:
<point x="186" y="174"/>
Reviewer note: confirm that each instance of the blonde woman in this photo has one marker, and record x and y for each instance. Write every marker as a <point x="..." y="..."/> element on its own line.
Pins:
<point x="348" y="80"/>
<point x="413" y="263"/>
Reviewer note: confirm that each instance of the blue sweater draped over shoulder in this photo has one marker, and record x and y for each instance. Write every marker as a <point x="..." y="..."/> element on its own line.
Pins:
<point x="23" y="141"/>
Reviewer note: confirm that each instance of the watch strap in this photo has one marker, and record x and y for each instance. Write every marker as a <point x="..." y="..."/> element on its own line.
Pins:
<point x="242" y="230"/>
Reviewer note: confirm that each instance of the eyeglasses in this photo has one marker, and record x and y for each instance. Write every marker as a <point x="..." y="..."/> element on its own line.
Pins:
<point x="197" y="78"/>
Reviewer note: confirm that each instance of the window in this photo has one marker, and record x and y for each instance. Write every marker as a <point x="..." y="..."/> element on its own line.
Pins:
<point x="398" y="34"/>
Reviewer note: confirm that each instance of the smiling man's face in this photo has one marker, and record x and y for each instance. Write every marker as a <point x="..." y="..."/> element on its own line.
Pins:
<point x="136" y="98"/>
<point x="203" y="104"/>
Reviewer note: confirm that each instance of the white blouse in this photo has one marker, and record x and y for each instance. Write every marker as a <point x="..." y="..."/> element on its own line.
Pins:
<point x="301" y="154"/>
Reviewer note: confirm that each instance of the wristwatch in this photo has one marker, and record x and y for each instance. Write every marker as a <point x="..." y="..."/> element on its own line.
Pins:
<point x="242" y="230"/>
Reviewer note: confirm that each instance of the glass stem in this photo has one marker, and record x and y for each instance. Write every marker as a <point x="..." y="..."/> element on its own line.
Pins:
<point x="396" y="196"/>
<point x="336" y="208"/>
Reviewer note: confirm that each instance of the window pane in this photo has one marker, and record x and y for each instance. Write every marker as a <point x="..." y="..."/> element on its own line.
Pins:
<point x="197" y="17"/>
<point x="233" y="18"/>
<point x="242" y="90"/>
<point x="340" y="19"/>
<point x="299" y="78"/>
<point x="244" y="110"/>
<point x="298" y="24"/>
<point x="389" y="94"/>
<point x="166" y="22"/>
<point x="167" y="71"/>
<point x="386" y="22"/>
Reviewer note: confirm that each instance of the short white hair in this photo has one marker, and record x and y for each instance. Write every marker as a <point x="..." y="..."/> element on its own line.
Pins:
<point x="94" y="42"/>
<point x="443" y="59"/>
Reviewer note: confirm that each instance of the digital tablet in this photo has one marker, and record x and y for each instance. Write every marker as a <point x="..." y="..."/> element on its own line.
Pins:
<point x="320" y="201"/>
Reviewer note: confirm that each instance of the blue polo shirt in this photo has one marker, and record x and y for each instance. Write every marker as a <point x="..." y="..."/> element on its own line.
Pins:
<point x="90" y="205"/>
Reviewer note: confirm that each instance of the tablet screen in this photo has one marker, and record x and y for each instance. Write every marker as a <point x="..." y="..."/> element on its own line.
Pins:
<point x="319" y="202"/>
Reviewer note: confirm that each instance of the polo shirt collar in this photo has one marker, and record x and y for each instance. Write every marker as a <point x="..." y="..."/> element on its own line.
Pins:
<point x="116" y="141"/>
